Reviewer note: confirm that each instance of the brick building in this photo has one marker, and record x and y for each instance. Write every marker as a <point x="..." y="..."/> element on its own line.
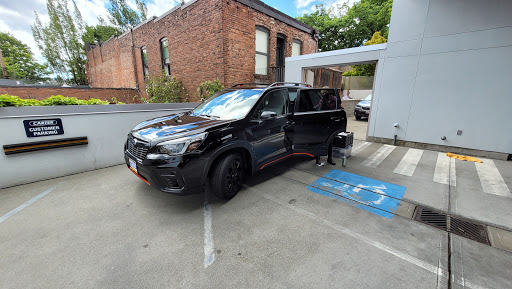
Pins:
<point x="230" y="40"/>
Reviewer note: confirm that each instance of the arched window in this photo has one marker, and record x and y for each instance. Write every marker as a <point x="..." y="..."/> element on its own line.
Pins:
<point x="144" y="57"/>
<point x="262" y="43"/>
<point x="296" y="47"/>
<point x="164" y="48"/>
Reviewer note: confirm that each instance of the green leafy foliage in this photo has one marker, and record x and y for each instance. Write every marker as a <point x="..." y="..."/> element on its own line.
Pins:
<point x="208" y="88"/>
<point x="164" y="89"/>
<point x="115" y="101"/>
<point x="123" y="16"/>
<point x="19" y="60"/>
<point x="99" y="33"/>
<point x="11" y="100"/>
<point x="367" y="69"/>
<point x="342" y="26"/>
<point x="60" y="41"/>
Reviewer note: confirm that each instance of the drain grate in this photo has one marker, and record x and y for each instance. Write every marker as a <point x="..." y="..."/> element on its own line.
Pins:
<point x="432" y="218"/>
<point x="437" y="219"/>
<point x="475" y="232"/>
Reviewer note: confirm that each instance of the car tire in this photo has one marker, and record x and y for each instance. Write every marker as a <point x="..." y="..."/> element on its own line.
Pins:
<point x="358" y="117"/>
<point x="226" y="178"/>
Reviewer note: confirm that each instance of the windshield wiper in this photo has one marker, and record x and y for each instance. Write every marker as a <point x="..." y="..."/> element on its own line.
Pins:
<point x="210" y="116"/>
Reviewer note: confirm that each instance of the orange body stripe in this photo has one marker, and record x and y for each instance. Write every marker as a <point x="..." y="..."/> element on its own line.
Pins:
<point x="286" y="157"/>
<point x="139" y="176"/>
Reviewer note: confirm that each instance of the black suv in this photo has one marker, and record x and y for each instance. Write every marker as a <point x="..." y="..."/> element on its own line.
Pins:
<point x="236" y="132"/>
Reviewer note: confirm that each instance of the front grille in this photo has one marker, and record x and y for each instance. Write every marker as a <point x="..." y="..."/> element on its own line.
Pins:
<point x="137" y="148"/>
<point x="366" y="108"/>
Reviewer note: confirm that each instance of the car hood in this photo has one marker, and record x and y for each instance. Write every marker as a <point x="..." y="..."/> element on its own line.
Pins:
<point x="174" y="126"/>
<point x="365" y="103"/>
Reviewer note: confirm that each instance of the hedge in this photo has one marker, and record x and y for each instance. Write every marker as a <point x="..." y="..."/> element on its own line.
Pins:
<point x="11" y="100"/>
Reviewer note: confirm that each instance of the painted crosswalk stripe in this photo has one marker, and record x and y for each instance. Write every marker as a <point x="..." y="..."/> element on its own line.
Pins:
<point x="491" y="179"/>
<point x="408" y="164"/>
<point x="377" y="157"/>
<point x="360" y="147"/>
<point x="445" y="170"/>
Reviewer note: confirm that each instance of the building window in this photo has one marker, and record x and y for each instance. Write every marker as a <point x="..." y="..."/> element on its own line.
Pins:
<point x="144" y="56"/>
<point x="262" y="38"/>
<point x="166" y="64"/>
<point x="296" y="47"/>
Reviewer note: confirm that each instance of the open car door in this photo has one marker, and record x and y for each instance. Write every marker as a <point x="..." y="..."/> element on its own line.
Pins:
<point x="317" y="116"/>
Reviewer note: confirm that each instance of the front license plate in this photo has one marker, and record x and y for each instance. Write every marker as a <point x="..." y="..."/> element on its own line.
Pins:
<point x="133" y="165"/>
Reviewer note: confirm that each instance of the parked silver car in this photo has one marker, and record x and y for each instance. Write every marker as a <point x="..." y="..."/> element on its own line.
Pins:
<point x="363" y="107"/>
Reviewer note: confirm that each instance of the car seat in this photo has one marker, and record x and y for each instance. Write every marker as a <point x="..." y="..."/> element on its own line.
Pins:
<point x="277" y="103"/>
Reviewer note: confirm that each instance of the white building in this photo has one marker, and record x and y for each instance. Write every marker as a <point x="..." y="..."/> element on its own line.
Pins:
<point x="447" y="68"/>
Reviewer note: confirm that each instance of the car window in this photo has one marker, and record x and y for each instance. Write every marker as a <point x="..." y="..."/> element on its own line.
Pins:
<point x="369" y="97"/>
<point x="292" y="94"/>
<point x="318" y="100"/>
<point x="229" y="104"/>
<point x="275" y="101"/>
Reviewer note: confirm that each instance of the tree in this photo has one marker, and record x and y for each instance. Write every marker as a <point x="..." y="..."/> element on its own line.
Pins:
<point x="123" y="16"/>
<point x="60" y="41"/>
<point x="342" y="26"/>
<point x="99" y="33"/>
<point x="20" y="61"/>
<point x="367" y="69"/>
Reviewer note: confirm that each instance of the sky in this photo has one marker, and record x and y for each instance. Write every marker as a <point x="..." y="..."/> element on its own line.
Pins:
<point x="16" y="16"/>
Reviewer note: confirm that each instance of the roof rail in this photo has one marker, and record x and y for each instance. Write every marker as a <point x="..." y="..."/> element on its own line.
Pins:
<point x="251" y="83"/>
<point x="284" y="83"/>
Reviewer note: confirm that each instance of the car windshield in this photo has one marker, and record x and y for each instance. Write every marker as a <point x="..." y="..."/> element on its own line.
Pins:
<point x="228" y="104"/>
<point x="369" y="97"/>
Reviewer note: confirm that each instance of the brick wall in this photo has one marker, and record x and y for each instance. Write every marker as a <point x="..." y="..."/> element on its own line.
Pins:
<point x="27" y="92"/>
<point x="208" y="39"/>
<point x="111" y="64"/>
<point x="194" y="40"/>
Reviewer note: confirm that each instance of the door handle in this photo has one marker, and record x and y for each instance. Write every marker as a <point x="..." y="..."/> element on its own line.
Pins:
<point x="336" y="118"/>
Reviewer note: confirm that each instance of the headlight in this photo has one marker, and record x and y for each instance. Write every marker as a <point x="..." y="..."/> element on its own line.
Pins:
<point x="358" y="106"/>
<point x="181" y="145"/>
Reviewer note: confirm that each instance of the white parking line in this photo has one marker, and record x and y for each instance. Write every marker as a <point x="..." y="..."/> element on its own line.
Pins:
<point x="209" y="254"/>
<point x="491" y="179"/>
<point x="26" y="204"/>
<point x="408" y="164"/>
<point x="377" y="157"/>
<point x="360" y="147"/>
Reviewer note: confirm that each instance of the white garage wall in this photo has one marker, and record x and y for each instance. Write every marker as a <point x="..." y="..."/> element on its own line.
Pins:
<point x="106" y="128"/>
<point x="447" y="67"/>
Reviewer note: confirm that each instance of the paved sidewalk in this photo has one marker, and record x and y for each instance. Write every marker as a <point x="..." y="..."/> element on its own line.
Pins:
<point x="482" y="192"/>
<point x="474" y="191"/>
<point x="108" y="229"/>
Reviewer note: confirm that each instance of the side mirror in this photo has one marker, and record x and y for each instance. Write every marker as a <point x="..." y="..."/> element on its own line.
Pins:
<point x="268" y="115"/>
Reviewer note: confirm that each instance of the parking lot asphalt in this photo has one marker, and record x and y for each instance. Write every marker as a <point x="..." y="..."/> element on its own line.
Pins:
<point x="107" y="229"/>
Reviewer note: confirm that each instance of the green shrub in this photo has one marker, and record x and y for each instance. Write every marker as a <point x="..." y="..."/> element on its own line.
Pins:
<point x="208" y="88"/>
<point x="8" y="100"/>
<point x="61" y="100"/>
<point x="97" y="101"/>
<point x="164" y="89"/>
<point x="115" y="101"/>
<point x="11" y="100"/>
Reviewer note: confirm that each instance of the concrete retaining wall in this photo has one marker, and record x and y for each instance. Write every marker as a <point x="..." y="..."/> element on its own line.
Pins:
<point x="105" y="126"/>
<point x="349" y="105"/>
<point x="358" y="94"/>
